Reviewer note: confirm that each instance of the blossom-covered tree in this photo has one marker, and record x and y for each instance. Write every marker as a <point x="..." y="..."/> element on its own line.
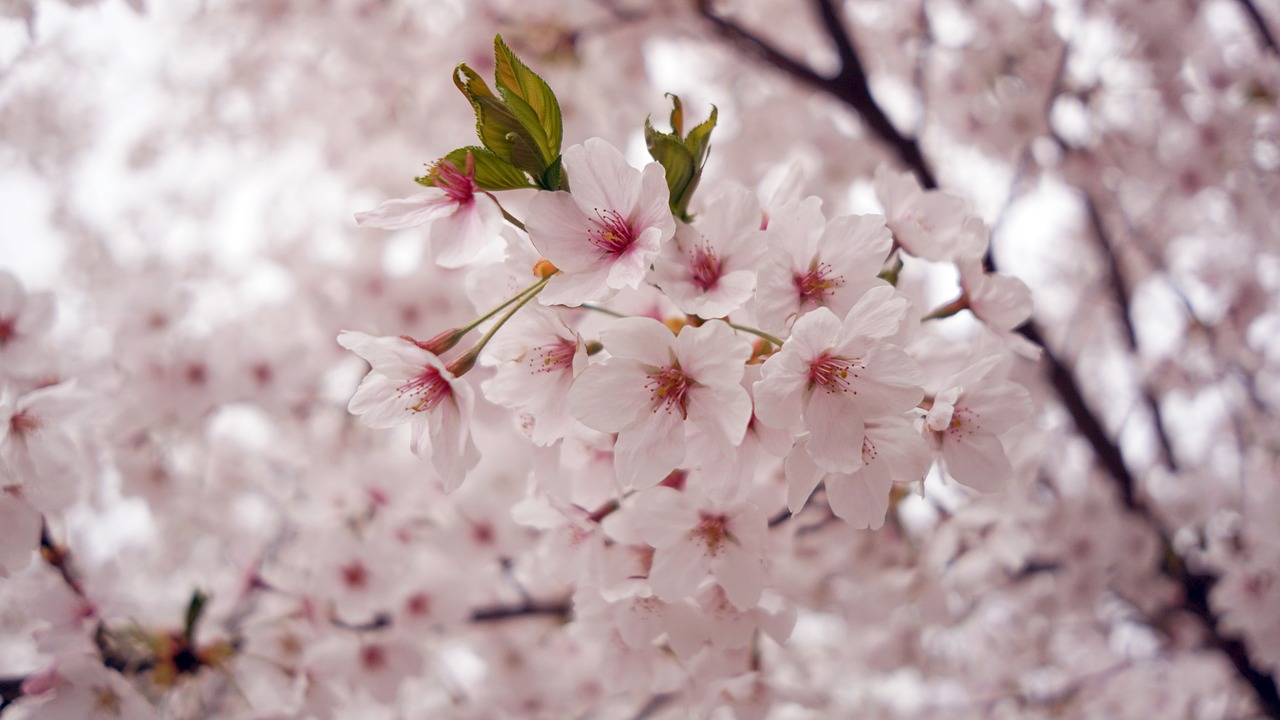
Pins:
<point x="929" y="372"/>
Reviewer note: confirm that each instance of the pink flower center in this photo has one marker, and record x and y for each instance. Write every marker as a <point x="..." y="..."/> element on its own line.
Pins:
<point x="612" y="234"/>
<point x="712" y="531"/>
<point x="552" y="358"/>
<point x="426" y="390"/>
<point x="373" y="657"/>
<point x="7" y="330"/>
<point x="832" y="373"/>
<point x="705" y="267"/>
<point x="23" y="422"/>
<point x="667" y="389"/>
<point x="460" y="186"/>
<point x="816" y="285"/>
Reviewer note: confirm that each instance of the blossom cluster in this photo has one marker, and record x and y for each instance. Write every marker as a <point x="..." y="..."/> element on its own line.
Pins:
<point x="720" y="367"/>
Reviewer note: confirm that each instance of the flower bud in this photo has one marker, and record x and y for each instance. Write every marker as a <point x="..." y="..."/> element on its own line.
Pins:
<point x="544" y="269"/>
<point x="440" y="344"/>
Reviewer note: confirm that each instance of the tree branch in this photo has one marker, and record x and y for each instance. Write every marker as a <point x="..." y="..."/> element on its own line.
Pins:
<point x="848" y="86"/>
<point x="1260" y="25"/>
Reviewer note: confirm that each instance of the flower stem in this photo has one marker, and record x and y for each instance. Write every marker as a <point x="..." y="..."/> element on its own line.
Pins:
<point x="535" y="288"/>
<point x="951" y="308"/>
<point x="757" y="333"/>
<point x="602" y="310"/>
<point x="463" y="363"/>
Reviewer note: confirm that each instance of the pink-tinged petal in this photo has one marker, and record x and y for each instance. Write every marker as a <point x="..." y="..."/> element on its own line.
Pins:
<point x="576" y="288"/>
<point x="663" y="516"/>
<point x="779" y="394"/>
<point x="814" y="333"/>
<point x="713" y="354"/>
<point x="803" y="475"/>
<point x="559" y="230"/>
<point x="687" y="630"/>
<point x="721" y="412"/>
<point x="408" y="212"/>
<point x="449" y="425"/>
<point x="647" y="451"/>
<point x="900" y="448"/>
<point x="999" y="408"/>
<point x="861" y="499"/>
<point x="741" y="574"/>
<point x="653" y="207"/>
<point x="889" y="383"/>
<point x="602" y="179"/>
<point x="856" y="243"/>
<point x="731" y="292"/>
<point x="630" y="268"/>
<point x="19" y="533"/>
<point x="12" y="296"/>
<point x="977" y="461"/>
<point x="877" y="314"/>
<point x="678" y="569"/>
<point x="471" y="231"/>
<point x="835" y="431"/>
<point x="392" y="356"/>
<point x="610" y="396"/>
<point x="380" y="404"/>
<point x="642" y="339"/>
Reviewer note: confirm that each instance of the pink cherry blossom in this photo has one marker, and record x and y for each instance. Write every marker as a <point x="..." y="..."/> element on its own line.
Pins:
<point x="814" y="263"/>
<point x="925" y="223"/>
<point x="539" y="357"/>
<point x="655" y="385"/>
<point x="410" y="385"/>
<point x="838" y="375"/>
<point x="966" y="420"/>
<point x="695" y="536"/>
<point x="461" y="226"/>
<point x="709" y="269"/>
<point x="892" y="451"/>
<point x="606" y="234"/>
<point x="25" y="317"/>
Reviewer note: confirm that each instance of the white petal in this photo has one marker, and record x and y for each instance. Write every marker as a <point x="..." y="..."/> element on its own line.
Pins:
<point x="408" y="212"/>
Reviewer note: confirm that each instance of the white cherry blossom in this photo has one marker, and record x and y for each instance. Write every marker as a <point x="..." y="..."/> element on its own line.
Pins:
<point x="410" y="385"/>
<point x="655" y="385"/>
<point x="606" y="233"/>
<point x="838" y="375"/>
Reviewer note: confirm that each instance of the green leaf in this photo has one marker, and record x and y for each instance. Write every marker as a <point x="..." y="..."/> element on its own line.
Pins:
<point x="516" y="80"/>
<point x="496" y="126"/>
<point x="699" y="139"/>
<point x="492" y="172"/>
<point x="555" y="178"/>
<point x="195" y="608"/>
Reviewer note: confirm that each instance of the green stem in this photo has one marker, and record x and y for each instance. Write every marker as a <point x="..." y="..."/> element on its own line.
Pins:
<point x="951" y="308"/>
<point x="757" y="333"/>
<point x="476" y="323"/>
<point x="464" y="362"/>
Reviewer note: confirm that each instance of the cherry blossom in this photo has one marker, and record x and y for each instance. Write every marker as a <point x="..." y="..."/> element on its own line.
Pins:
<point x="966" y="420"/>
<point x="838" y="375"/>
<point x="603" y="236"/>
<point x="709" y="269"/>
<point x="656" y="385"/>
<point x="405" y="383"/>
<point x="461" y="227"/>
<point x="694" y="536"/>
<point x="814" y="263"/>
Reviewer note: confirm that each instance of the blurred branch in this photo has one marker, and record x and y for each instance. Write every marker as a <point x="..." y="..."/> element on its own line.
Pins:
<point x="10" y="690"/>
<point x="1260" y="24"/>
<point x="560" y="610"/>
<point x="849" y="85"/>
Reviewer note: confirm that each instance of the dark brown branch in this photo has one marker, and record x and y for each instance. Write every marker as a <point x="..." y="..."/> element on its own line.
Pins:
<point x="559" y="610"/>
<point x="848" y="86"/>
<point x="10" y="690"/>
<point x="1119" y="285"/>
<point x="1260" y="25"/>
